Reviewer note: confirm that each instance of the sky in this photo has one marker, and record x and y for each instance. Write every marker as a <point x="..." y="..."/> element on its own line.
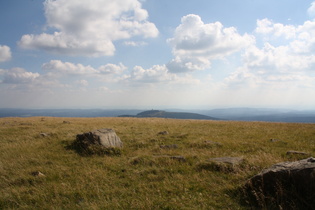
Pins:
<point x="157" y="54"/>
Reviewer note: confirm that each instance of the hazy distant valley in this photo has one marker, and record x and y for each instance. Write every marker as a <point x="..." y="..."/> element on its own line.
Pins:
<point x="236" y="114"/>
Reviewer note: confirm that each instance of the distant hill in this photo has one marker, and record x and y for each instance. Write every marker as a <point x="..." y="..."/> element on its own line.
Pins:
<point x="172" y="115"/>
<point x="267" y="115"/>
<point x="234" y="114"/>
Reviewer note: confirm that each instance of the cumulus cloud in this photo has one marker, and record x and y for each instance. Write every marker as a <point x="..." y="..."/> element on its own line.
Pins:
<point x="158" y="74"/>
<point x="266" y="26"/>
<point x="5" y="53"/>
<point x="17" y="76"/>
<point x="112" y="68"/>
<point x="195" y="43"/>
<point x="289" y="62"/>
<point x="311" y="10"/>
<point x="83" y="28"/>
<point x="57" y="67"/>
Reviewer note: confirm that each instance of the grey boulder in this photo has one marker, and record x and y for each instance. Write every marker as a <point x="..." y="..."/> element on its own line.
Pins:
<point x="287" y="185"/>
<point x="105" y="137"/>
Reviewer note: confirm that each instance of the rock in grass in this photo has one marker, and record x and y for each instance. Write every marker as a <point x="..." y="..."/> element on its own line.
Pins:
<point x="287" y="185"/>
<point x="37" y="173"/>
<point x="222" y="164"/>
<point x="101" y="141"/>
<point x="163" y="133"/>
<point x="105" y="137"/>
<point x="43" y="134"/>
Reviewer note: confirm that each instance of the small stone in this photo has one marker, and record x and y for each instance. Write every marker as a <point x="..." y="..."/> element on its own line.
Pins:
<point x="163" y="133"/>
<point x="43" y="134"/>
<point x="37" y="173"/>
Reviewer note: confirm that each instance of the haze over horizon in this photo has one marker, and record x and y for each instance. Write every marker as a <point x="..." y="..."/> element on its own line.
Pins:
<point x="157" y="54"/>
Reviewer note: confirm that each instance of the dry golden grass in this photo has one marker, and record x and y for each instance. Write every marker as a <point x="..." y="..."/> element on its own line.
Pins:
<point x="138" y="178"/>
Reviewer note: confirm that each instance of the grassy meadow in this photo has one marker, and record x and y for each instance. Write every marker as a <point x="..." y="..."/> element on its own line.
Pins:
<point x="140" y="177"/>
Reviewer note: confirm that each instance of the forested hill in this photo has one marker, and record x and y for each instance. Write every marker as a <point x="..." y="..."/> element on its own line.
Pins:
<point x="173" y="115"/>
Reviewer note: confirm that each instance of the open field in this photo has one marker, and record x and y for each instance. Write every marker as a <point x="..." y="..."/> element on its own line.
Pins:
<point x="141" y="177"/>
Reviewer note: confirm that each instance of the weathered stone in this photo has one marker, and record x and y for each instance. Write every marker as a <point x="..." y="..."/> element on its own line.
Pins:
<point x="274" y="140"/>
<point x="163" y="133"/>
<point x="43" y="134"/>
<point x="105" y="137"/>
<point x="222" y="164"/>
<point x="287" y="185"/>
<point x="37" y="173"/>
<point x="171" y="146"/>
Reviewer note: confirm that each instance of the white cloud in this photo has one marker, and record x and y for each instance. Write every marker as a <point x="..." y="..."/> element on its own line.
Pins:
<point x="83" y="28"/>
<point x="5" y="53"/>
<point x="57" y="67"/>
<point x="135" y="44"/>
<point x="311" y="10"/>
<point x="195" y="43"/>
<point x="62" y="68"/>
<point x="83" y="83"/>
<point x="112" y="68"/>
<point x="18" y="76"/>
<point x="286" y="61"/>
<point x="267" y="27"/>
<point x="158" y="74"/>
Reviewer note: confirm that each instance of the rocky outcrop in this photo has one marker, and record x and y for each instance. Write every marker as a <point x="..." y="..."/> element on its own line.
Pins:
<point x="222" y="164"/>
<point x="105" y="137"/>
<point x="287" y="185"/>
<point x="101" y="141"/>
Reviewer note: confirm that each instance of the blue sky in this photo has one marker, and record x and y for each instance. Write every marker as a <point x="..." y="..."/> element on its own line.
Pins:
<point x="157" y="54"/>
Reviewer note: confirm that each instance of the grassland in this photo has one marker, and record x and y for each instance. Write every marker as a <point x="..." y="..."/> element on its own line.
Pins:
<point x="139" y="178"/>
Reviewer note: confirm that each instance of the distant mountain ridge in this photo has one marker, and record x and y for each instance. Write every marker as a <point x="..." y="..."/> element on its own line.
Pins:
<point x="234" y="114"/>
<point x="172" y="115"/>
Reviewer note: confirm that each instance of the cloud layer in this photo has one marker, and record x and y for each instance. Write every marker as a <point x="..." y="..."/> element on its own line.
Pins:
<point x="5" y="53"/>
<point x="196" y="43"/>
<point x="80" y="28"/>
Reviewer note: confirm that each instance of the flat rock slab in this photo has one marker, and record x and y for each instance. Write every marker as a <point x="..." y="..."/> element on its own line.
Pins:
<point x="289" y="185"/>
<point x="105" y="137"/>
